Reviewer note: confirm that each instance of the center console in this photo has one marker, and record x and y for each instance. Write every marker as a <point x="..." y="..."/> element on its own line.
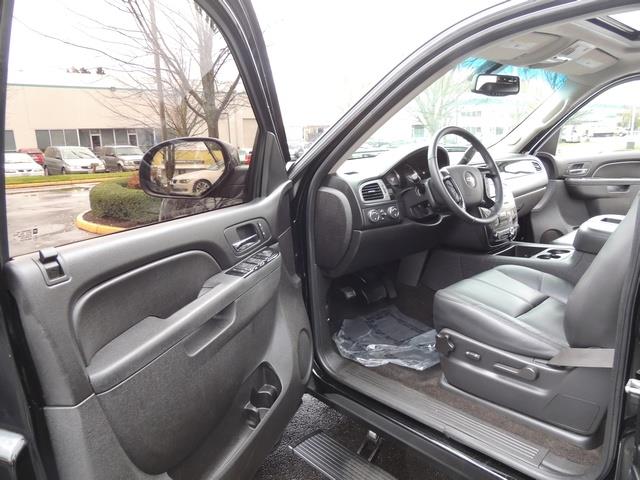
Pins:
<point x="505" y="227"/>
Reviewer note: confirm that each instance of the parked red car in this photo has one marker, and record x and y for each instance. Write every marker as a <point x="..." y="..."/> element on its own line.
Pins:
<point x="35" y="153"/>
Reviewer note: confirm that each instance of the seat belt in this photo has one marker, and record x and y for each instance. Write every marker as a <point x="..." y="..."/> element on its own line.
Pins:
<point x="584" y="357"/>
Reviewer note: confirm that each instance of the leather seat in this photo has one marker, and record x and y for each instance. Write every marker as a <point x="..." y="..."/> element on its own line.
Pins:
<point x="524" y="311"/>
<point x="498" y="329"/>
<point x="510" y="307"/>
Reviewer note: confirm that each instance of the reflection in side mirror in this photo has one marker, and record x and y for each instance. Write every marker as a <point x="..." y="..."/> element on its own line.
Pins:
<point x="186" y="167"/>
<point x="496" y="85"/>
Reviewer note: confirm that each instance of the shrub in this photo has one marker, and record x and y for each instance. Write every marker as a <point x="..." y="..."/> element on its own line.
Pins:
<point x="134" y="181"/>
<point x="114" y="200"/>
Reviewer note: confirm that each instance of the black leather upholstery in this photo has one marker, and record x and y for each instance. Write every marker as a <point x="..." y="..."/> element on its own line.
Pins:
<point x="514" y="308"/>
<point x="521" y="310"/>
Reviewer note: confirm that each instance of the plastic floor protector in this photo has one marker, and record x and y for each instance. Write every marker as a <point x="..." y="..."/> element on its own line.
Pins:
<point x="387" y="336"/>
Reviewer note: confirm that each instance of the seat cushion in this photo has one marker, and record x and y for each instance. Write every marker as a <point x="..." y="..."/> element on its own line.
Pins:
<point x="510" y="307"/>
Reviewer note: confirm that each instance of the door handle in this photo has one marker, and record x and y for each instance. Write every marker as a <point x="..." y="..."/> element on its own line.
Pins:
<point x="577" y="171"/>
<point x="245" y="243"/>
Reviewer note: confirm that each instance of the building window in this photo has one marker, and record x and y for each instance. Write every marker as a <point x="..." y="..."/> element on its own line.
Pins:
<point x="418" y="131"/>
<point x="96" y="140"/>
<point x="9" y="141"/>
<point x="57" y="138"/>
<point x="71" y="137"/>
<point x="42" y="139"/>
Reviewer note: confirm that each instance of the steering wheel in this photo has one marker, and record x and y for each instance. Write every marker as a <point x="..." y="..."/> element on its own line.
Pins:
<point x="462" y="187"/>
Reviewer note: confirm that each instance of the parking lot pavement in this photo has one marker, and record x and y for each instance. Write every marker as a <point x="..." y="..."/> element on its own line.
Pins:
<point x="314" y="415"/>
<point x="43" y="216"/>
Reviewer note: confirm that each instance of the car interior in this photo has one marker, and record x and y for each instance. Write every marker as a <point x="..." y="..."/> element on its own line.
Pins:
<point x="522" y="299"/>
<point x="500" y="279"/>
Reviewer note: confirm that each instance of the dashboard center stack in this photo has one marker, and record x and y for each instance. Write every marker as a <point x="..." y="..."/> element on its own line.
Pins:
<point x="505" y="227"/>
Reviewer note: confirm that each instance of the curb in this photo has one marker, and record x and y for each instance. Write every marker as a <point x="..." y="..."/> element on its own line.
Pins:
<point x="62" y="182"/>
<point x="96" y="228"/>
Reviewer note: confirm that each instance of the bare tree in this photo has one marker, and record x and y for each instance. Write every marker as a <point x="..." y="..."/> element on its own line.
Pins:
<point x="174" y="60"/>
<point x="435" y="107"/>
<point x="198" y="41"/>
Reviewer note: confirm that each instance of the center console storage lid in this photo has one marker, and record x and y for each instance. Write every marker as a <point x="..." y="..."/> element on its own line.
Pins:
<point x="593" y="233"/>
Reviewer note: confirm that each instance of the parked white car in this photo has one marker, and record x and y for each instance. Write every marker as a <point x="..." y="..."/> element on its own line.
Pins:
<point x="21" y="165"/>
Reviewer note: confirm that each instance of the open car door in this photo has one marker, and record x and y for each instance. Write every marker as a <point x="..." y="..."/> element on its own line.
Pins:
<point x="141" y="355"/>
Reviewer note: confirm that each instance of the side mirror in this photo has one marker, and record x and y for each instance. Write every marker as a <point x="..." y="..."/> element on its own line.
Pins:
<point x="193" y="167"/>
<point x="496" y="85"/>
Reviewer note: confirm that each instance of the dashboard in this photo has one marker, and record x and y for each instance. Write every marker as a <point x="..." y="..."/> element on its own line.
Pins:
<point x="371" y="210"/>
<point x="413" y="169"/>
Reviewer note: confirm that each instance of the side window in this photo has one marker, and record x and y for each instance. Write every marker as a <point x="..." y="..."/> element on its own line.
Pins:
<point x="102" y="84"/>
<point x="607" y="124"/>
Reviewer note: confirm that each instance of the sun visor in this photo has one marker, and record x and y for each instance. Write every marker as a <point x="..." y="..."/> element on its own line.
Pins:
<point x="522" y="46"/>
<point x="591" y="62"/>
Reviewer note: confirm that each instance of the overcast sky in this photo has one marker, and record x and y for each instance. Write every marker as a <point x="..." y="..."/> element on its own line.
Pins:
<point x="325" y="54"/>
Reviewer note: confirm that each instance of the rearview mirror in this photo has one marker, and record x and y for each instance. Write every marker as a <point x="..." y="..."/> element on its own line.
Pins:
<point x="187" y="167"/>
<point x="496" y="85"/>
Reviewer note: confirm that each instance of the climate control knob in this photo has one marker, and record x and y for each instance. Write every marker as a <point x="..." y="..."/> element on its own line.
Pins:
<point x="393" y="211"/>
<point x="374" y="216"/>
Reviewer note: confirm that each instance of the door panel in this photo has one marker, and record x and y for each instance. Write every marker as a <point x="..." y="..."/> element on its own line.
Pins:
<point x="153" y="351"/>
<point x="585" y="187"/>
<point x="607" y="183"/>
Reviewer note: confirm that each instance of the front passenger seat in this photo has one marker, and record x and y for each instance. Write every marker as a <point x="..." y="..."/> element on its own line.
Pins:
<point x="499" y="329"/>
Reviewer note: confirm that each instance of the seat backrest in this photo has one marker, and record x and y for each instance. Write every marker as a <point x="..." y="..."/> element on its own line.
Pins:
<point x="591" y="316"/>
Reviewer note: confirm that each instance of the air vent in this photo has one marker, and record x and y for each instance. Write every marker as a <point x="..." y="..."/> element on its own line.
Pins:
<point x="373" y="192"/>
<point x="537" y="167"/>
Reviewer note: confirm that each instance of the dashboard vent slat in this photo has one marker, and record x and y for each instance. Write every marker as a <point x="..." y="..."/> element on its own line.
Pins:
<point x="373" y="192"/>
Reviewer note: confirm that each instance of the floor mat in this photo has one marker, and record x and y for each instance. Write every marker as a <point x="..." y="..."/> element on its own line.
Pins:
<point x="387" y="336"/>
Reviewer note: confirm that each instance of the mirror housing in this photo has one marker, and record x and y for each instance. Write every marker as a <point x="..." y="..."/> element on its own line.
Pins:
<point x="190" y="167"/>
<point x="496" y="85"/>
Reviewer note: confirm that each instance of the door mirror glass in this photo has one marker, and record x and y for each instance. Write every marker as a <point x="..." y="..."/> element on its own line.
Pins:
<point x="496" y="85"/>
<point x="187" y="167"/>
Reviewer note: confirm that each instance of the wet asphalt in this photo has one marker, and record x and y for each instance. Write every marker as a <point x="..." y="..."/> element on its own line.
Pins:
<point x="314" y="415"/>
<point x="43" y="217"/>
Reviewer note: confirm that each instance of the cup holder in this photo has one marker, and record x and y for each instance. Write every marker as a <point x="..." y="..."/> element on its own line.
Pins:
<point x="558" y="251"/>
<point x="262" y="388"/>
<point x="547" y="256"/>
<point x="265" y="397"/>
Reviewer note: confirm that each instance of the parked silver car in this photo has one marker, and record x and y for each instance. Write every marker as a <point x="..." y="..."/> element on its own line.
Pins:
<point x="121" y="158"/>
<point x="62" y="160"/>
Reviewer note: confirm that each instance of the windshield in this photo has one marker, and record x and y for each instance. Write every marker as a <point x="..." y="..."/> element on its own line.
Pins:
<point x="326" y="55"/>
<point x="128" y="151"/>
<point x="76" y="153"/>
<point x="17" y="158"/>
<point x="450" y="101"/>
